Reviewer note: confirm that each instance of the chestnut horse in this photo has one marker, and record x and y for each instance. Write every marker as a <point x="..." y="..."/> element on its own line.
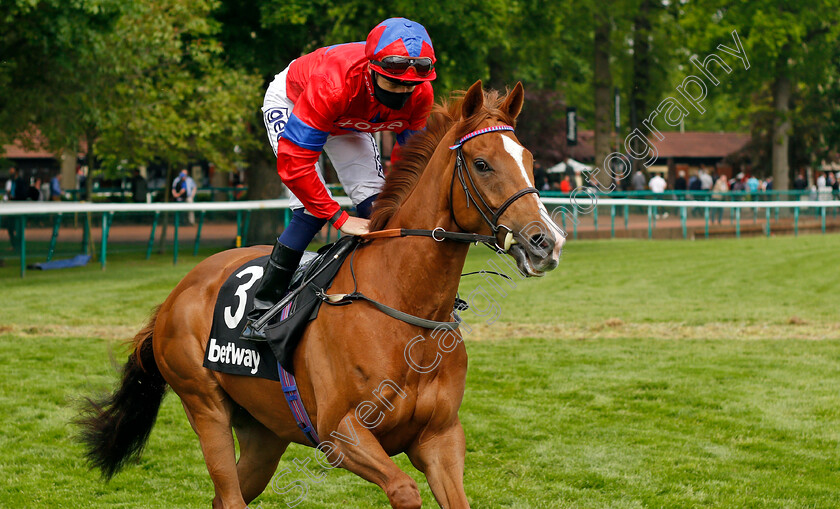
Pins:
<point x="350" y="356"/>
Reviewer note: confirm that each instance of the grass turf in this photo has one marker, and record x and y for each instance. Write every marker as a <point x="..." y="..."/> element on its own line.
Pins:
<point x="639" y="374"/>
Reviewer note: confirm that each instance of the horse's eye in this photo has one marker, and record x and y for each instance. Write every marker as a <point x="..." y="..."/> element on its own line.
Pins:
<point x="481" y="166"/>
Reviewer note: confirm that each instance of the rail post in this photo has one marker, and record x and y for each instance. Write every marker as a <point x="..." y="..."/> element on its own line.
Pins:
<point x="198" y="232"/>
<point x="175" y="239"/>
<point x="54" y="238"/>
<point x="151" y="243"/>
<point x="22" y="242"/>
<point x="767" y="216"/>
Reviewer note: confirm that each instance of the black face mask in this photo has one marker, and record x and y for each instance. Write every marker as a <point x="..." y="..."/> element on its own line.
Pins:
<point x="393" y="100"/>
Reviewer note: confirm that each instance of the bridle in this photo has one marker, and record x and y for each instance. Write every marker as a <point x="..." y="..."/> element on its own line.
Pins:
<point x="461" y="169"/>
<point x="490" y="216"/>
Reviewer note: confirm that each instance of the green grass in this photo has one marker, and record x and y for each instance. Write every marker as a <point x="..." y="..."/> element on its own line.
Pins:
<point x="639" y="374"/>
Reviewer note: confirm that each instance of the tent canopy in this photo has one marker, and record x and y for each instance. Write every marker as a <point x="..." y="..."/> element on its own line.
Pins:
<point x="576" y="166"/>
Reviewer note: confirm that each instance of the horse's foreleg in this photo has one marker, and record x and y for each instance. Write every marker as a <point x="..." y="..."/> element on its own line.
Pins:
<point x="365" y="457"/>
<point x="259" y="452"/>
<point x="440" y="455"/>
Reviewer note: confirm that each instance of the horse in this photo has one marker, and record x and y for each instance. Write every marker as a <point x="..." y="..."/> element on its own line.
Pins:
<point x="466" y="174"/>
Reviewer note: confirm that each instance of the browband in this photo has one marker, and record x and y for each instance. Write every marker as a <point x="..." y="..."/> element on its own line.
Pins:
<point x="484" y="130"/>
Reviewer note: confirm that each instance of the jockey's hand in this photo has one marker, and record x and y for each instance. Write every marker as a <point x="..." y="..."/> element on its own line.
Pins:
<point x="355" y="226"/>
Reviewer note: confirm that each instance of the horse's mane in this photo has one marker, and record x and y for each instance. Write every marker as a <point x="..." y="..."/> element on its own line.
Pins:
<point x="415" y="155"/>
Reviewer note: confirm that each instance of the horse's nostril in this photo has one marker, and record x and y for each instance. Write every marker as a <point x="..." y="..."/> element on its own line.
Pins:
<point x="541" y="242"/>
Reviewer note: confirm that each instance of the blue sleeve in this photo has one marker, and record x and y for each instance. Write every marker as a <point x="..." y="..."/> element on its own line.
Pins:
<point x="303" y="135"/>
<point x="403" y="137"/>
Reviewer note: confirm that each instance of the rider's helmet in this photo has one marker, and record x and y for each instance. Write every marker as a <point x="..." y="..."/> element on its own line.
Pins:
<point x="402" y="50"/>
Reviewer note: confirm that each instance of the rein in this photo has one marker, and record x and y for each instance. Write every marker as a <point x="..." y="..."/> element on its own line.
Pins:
<point x="343" y="299"/>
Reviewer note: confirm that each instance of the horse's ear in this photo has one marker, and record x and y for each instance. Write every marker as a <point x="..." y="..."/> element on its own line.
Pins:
<point x="514" y="100"/>
<point x="473" y="100"/>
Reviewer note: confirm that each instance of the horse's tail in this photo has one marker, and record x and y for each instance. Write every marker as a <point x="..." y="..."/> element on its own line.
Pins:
<point x="115" y="428"/>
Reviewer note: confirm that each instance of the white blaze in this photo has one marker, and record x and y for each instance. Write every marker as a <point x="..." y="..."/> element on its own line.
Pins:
<point x="516" y="151"/>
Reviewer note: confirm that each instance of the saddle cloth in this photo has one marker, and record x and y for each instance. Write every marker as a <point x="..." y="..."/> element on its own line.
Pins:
<point x="226" y="352"/>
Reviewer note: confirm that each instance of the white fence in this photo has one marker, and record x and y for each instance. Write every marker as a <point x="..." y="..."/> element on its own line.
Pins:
<point x="566" y="212"/>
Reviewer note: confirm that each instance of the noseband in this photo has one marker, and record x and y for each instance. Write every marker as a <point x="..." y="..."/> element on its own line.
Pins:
<point x="490" y="216"/>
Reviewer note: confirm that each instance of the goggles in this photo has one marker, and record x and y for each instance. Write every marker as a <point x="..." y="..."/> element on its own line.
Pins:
<point x="397" y="65"/>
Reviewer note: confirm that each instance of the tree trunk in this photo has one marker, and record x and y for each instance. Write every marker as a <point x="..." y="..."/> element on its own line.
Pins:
<point x="167" y="197"/>
<point x="69" y="159"/>
<point x="641" y="73"/>
<point x="89" y="155"/>
<point x="603" y="99"/>
<point x="263" y="184"/>
<point x="781" y="134"/>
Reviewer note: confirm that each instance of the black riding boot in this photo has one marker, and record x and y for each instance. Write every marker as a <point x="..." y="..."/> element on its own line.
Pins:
<point x="274" y="283"/>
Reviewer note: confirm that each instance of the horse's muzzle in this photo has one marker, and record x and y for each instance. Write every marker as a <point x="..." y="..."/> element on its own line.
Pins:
<point x="537" y="254"/>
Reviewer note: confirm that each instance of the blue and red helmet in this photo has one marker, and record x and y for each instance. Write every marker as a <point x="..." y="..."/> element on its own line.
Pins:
<point x="401" y="49"/>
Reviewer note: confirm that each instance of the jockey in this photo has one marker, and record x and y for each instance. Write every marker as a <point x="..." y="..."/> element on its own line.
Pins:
<point x="332" y="100"/>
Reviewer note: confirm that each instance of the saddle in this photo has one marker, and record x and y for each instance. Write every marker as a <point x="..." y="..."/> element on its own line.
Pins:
<point x="228" y="353"/>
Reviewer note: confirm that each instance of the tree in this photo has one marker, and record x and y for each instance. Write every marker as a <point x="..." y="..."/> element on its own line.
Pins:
<point x="787" y="45"/>
<point x="602" y="85"/>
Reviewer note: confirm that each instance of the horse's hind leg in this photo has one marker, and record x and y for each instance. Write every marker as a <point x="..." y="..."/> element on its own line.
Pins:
<point x="210" y="416"/>
<point x="440" y="455"/>
<point x="368" y="460"/>
<point x="259" y="452"/>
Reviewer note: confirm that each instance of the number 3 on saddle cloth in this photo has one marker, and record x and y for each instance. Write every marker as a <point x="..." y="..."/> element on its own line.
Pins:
<point x="228" y="353"/>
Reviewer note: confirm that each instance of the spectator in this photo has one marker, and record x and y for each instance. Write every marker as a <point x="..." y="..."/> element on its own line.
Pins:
<point x="33" y="191"/>
<point x="183" y="190"/>
<point x="21" y="188"/>
<point x="768" y="183"/>
<point x="540" y="176"/>
<point x="566" y="184"/>
<point x="139" y="188"/>
<point x="800" y="183"/>
<point x="639" y="181"/>
<point x="10" y="184"/>
<point x="81" y="183"/>
<point x="718" y="194"/>
<point x="834" y="184"/>
<point x="55" y="188"/>
<point x="577" y="179"/>
<point x="752" y="184"/>
<point x="238" y="185"/>
<point x="43" y="189"/>
<point x="657" y="184"/>
<point x="680" y="184"/>
<point x="822" y="184"/>
<point x="705" y="179"/>
<point x="737" y="184"/>
<point x="694" y="185"/>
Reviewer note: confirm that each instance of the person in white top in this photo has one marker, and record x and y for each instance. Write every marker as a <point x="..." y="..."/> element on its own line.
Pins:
<point x="657" y="184"/>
